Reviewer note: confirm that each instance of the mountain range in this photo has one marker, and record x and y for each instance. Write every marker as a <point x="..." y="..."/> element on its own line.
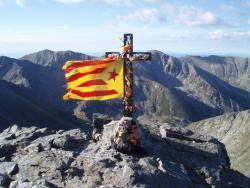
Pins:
<point x="182" y="89"/>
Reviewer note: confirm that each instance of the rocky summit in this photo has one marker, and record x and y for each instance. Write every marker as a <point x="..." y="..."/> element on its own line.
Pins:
<point x="168" y="156"/>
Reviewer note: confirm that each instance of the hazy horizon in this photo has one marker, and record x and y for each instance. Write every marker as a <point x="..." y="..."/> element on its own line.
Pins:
<point x="98" y="54"/>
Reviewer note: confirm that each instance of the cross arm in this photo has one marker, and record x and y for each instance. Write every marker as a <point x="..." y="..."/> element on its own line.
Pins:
<point x="142" y="56"/>
<point x="111" y="53"/>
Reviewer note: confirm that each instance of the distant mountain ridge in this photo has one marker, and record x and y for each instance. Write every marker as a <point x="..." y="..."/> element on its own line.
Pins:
<point x="165" y="87"/>
<point x="190" y="80"/>
<point x="48" y="58"/>
<point x="235" y="70"/>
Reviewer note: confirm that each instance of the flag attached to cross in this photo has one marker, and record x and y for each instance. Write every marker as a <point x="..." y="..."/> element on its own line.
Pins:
<point x="107" y="78"/>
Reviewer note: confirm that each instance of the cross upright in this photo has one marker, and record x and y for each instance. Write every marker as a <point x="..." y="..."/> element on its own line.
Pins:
<point x="129" y="57"/>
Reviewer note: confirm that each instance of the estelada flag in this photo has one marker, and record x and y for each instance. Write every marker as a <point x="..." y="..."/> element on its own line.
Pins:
<point x="94" y="79"/>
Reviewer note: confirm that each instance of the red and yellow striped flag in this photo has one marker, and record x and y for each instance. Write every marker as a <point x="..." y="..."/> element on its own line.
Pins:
<point x="94" y="79"/>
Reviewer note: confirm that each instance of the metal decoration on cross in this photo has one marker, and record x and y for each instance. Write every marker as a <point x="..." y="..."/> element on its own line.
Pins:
<point x="129" y="57"/>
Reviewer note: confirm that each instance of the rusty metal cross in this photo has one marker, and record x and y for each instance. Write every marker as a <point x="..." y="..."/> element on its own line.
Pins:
<point x="129" y="58"/>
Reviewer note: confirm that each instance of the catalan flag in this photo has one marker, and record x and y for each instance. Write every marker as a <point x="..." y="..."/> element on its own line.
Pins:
<point x="94" y="79"/>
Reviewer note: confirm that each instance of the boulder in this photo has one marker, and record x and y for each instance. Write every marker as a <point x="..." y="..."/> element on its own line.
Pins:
<point x="98" y="121"/>
<point x="10" y="168"/>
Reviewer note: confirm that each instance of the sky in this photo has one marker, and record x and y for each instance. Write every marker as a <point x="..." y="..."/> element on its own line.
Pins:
<point x="184" y="27"/>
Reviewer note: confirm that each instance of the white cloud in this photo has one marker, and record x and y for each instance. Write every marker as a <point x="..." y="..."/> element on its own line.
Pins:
<point x="152" y="1"/>
<point x="2" y="3"/>
<point x="10" y="29"/>
<point x="148" y="16"/>
<point x="170" y="9"/>
<point x="71" y="1"/>
<point x="112" y="2"/>
<point x="246" y="3"/>
<point x="20" y="3"/>
<point x="219" y="34"/>
<point x="192" y="16"/>
<point x="228" y="8"/>
<point x="241" y="33"/>
<point x="202" y="1"/>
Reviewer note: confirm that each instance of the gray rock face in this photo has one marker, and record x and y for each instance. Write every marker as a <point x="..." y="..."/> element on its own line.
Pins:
<point x="233" y="130"/>
<point x="4" y="180"/>
<point x="10" y="168"/>
<point x="175" y="157"/>
<point x="98" y="121"/>
<point x="234" y="70"/>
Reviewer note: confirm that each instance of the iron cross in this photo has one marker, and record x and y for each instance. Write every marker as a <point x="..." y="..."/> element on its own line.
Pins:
<point x="129" y="57"/>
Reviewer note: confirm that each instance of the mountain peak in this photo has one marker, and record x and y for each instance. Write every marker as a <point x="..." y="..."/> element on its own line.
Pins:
<point x="41" y="52"/>
<point x="49" y="58"/>
<point x="46" y="51"/>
